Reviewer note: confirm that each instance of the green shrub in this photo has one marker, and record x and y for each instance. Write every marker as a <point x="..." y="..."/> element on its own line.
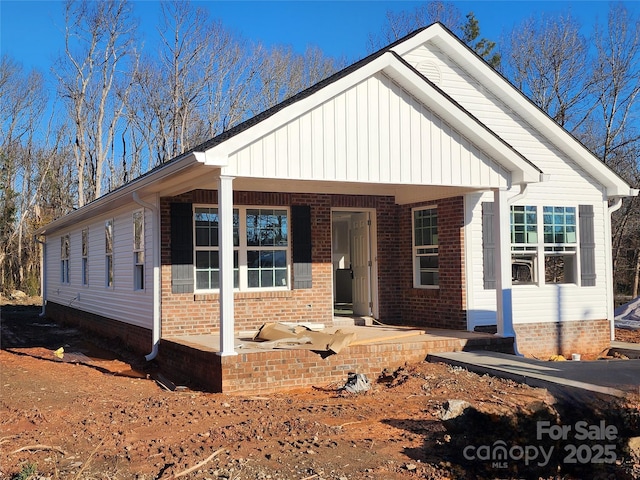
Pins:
<point x="28" y="470"/>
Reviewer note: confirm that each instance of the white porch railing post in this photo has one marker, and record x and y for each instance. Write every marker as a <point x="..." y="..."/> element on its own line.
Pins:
<point x="225" y="242"/>
<point x="502" y="235"/>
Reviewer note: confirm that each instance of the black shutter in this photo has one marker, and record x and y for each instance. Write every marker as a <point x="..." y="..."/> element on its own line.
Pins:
<point x="488" y="246"/>
<point x="181" y="248"/>
<point x="587" y="246"/>
<point x="301" y="239"/>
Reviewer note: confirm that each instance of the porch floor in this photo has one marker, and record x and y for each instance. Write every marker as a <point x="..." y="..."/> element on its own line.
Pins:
<point x="259" y="367"/>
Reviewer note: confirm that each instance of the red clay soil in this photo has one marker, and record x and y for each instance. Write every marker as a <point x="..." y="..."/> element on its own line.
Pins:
<point x="66" y="418"/>
<point x="631" y="336"/>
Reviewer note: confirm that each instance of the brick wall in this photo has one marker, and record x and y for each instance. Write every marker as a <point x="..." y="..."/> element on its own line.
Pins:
<point x="187" y="314"/>
<point x="542" y="340"/>
<point x="133" y="337"/>
<point x="277" y="370"/>
<point x="444" y="307"/>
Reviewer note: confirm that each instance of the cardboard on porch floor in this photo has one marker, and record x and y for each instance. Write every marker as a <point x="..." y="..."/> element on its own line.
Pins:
<point x="363" y="335"/>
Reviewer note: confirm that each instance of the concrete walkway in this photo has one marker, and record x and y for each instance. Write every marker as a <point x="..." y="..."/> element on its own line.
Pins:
<point x="611" y="377"/>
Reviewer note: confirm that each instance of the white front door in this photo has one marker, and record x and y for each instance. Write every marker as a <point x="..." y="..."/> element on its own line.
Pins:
<point x="361" y="264"/>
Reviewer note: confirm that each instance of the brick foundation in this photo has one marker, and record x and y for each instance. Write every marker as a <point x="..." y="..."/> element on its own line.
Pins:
<point x="133" y="337"/>
<point x="278" y="370"/>
<point x="542" y="340"/>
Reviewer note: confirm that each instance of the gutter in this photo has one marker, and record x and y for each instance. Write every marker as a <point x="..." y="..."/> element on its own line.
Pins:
<point x="155" y="332"/>
<point x="617" y="204"/>
<point x="43" y="271"/>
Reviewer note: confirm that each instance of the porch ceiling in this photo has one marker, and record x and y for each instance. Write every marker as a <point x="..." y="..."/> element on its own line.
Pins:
<point x="206" y="178"/>
<point x="403" y="194"/>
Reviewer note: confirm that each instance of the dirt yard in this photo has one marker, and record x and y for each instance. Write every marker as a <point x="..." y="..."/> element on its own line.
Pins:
<point x="93" y="412"/>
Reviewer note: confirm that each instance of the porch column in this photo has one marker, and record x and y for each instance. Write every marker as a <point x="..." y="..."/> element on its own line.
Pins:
<point x="502" y="236"/>
<point x="225" y="243"/>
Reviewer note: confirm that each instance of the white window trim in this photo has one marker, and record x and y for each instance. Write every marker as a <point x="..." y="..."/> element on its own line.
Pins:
<point x="540" y="247"/>
<point x="521" y="248"/>
<point x="84" y="262"/>
<point x="65" y="260"/>
<point x="414" y="265"/>
<point x="242" y="249"/>
<point x="140" y="249"/>
<point x="576" y="246"/>
<point x="110" y="255"/>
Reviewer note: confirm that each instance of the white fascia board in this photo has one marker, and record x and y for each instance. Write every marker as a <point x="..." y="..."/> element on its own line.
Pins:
<point x="522" y="105"/>
<point x="297" y="109"/>
<point x="211" y="158"/>
<point x="522" y="170"/>
<point x="120" y="196"/>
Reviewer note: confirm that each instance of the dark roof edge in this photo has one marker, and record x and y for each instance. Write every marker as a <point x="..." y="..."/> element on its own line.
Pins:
<point x="218" y="139"/>
<point x="531" y="102"/>
<point x="465" y="111"/>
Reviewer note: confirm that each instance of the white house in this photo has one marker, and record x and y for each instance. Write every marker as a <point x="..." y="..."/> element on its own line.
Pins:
<point x="417" y="186"/>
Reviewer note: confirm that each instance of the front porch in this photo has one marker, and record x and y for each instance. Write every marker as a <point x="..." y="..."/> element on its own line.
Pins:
<point x="194" y="359"/>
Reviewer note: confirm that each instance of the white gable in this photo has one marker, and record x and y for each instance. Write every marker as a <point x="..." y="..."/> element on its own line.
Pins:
<point x="442" y="58"/>
<point x="381" y="122"/>
<point x="375" y="131"/>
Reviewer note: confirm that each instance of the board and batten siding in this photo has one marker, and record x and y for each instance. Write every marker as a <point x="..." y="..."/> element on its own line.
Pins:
<point x="374" y="132"/>
<point x="120" y="302"/>
<point x="533" y="303"/>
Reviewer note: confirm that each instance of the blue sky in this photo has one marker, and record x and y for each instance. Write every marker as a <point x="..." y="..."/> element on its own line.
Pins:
<point x="31" y="30"/>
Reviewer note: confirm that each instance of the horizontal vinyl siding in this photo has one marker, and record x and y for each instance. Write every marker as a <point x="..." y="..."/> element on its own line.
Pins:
<point x="568" y="186"/>
<point x="499" y="118"/>
<point x="120" y="302"/>
<point x="531" y="303"/>
<point x="374" y="132"/>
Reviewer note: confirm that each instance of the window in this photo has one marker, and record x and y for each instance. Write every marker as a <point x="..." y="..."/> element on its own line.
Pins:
<point x="524" y="244"/>
<point x="85" y="256"/>
<point x="64" y="259"/>
<point x="108" y="252"/>
<point x="560" y="244"/>
<point x="544" y="252"/>
<point x="425" y="247"/>
<point x="261" y="248"/>
<point x="207" y="248"/>
<point x="267" y="243"/>
<point x="138" y="250"/>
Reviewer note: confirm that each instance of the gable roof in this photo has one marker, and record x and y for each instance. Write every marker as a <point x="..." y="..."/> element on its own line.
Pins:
<point x="514" y="98"/>
<point x="215" y="152"/>
<point x="403" y="74"/>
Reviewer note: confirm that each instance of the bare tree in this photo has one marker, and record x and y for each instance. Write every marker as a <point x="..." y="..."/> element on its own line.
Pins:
<point x="591" y="88"/>
<point x="402" y="23"/>
<point x="206" y="80"/>
<point x="283" y="73"/>
<point x="186" y="67"/>
<point x="616" y="137"/>
<point x="29" y="146"/>
<point x="545" y="58"/>
<point x="399" y="24"/>
<point x="98" y="43"/>
<point x="22" y="103"/>
<point x="186" y="93"/>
